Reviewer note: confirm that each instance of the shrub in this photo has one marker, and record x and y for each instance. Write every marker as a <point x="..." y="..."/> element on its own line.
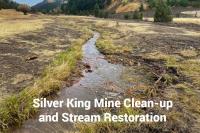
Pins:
<point x="138" y="15"/>
<point x="103" y="14"/>
<point x="24" y="8"/>
<point x="141" y="7"/>
<point x="126" y="16"/>
<point x="163" y="12"/>
<point x="96" y="10"/>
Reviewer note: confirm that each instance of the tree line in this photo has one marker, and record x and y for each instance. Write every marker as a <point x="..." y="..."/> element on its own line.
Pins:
<point x="8" y="4"/>
<point x="85" y="7"/>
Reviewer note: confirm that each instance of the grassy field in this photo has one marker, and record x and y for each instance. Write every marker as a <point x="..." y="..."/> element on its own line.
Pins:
<point x="38" y="54"/>
<point x="165" y="65"/>
<point x="48" y="53"/>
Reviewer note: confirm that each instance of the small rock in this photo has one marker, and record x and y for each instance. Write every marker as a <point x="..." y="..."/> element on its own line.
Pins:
<point x="31" y="58"/>
<point x="87" y="66"/>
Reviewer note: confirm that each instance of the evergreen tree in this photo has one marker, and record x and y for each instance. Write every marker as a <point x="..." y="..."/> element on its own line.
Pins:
<point x="172" y="2"/>
<point x="163" y="12"/>
<point x="152" y="3"/>
<point x="85" y="6"/>
<point x="96" y="10"/>
<point x="8" y="4"/>
<point x="138" y="15"/>
<point x="126" y="16"/>
<point x="183" y="3"/>
<point x="141" y="7"/>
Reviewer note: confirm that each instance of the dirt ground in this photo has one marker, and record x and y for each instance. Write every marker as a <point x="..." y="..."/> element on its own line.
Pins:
<point x="25" y="55"/>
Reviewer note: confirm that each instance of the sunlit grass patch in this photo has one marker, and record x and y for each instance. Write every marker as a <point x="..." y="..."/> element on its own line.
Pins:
<point x="19" y="26"/>
<point x="191" y="68"/>
<point x="187" y="20"/>
<point x="11" y="14"/>
<point x="108" y="47"/>
<point x="180" y="20"/>
<point x="170" y="60"/>
<point x="188" y="53"/>
<point x="107" y="43"/>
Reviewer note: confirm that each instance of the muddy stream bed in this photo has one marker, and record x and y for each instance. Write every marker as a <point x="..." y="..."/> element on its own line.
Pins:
<point x="103" y="80"/>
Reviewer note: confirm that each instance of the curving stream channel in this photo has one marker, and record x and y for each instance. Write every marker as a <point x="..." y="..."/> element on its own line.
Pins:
<point x="104" y="81"/>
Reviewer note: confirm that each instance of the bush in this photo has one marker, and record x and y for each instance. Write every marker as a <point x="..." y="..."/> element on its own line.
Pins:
<point x="163" y="12"/>
<point x="141" y="7"/>
<point x="138" y="15"/>
<point x="103" y="14"/>
<point x="126" y="16"/>
<point x="23" y="8"/>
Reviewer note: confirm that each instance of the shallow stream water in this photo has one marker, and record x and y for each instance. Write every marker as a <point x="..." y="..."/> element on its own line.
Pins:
<point x="103" y="81"/>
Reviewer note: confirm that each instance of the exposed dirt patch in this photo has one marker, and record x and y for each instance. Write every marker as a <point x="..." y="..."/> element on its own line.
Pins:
<point x="28" y="54"/>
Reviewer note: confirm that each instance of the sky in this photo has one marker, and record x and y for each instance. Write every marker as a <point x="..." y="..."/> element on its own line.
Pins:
<point x="29" y="2"/>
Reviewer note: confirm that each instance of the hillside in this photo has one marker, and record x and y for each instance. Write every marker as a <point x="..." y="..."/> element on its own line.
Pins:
<point x="122" y="6"/>
<point x="112" y="6"/>
<point x="47" y="5"/>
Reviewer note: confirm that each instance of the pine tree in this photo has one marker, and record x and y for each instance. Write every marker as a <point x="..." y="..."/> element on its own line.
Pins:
<point x="138" y="15"/>
<point x="96" y="10"/>
<point x="183" y="3"/>
<point x="141" y="7"/>
<point x="163" y="12"/>
<point x="152" y="3"/>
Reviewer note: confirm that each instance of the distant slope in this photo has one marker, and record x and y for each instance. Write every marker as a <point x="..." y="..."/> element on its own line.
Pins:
<point x="120" y="6"/>
<point x="47" y="5"/>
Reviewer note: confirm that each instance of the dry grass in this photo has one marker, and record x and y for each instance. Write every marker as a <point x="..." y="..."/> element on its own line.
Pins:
<point x="128" y="7"/>
<point x="13" y="22"/>
<point x="180" y="20"/>
<point x="8" y="28"/>
<point x="11" y="14"/>
<point x="189" y="67"/>
<point x="108" y="47"/>
<point x="17" y="108"/>
<point x="187" y="20"/>
<point x="188" y="53"/>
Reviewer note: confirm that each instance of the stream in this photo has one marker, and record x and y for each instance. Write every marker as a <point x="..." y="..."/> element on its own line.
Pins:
<point x="103" y="81"/>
